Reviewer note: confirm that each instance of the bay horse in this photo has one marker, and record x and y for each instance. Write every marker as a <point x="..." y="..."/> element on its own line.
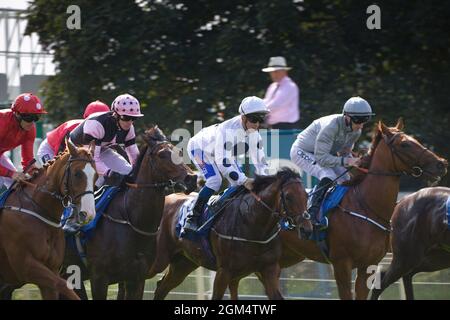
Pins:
<point x="361" y="242"/>
<point x="420" y="238"/>
<point x="31" y="239"/>
<point x="123" y="243"/>
<point x="244" y="238"/>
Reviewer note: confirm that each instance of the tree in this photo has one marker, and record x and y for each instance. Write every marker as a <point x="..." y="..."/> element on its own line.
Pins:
<point x="186" y="60"/>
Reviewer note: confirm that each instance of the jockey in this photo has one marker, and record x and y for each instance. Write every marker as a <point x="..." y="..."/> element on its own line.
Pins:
<point x="108" y="129"/>
<point x="324" y="148"/>
<point x="214" y="152"/>
<point x="17" y="128"/>
<point x="55" y="141"/>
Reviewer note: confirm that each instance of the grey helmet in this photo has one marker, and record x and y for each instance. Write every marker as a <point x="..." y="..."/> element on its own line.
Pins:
<point x="357" y="106"/>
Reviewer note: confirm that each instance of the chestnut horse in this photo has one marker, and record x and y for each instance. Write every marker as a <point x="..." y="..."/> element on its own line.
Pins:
<point x="122" y="246"/>
<point x="356" y="242"/>
<point x="420" y="238"/>
<point x="31" y="238"/>
<point x="244" y="239"/>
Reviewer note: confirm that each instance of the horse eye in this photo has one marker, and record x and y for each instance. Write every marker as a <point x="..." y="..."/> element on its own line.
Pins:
<point x="78" y="174"/>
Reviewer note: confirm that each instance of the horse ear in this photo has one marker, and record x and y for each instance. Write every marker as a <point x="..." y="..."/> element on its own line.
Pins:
<point x="400" y="125"/>
<point x="92" y="147"/>
<point x="383" y="129"/>
<point x="72" y="148"/>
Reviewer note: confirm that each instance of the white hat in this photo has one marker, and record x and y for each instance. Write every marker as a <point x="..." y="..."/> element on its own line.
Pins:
<point x="276" y="63"/>
<point x="253" y="105"/>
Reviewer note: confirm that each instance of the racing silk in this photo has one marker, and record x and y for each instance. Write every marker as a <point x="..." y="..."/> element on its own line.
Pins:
<point x="326" y="137"/>
<point x="104" y="129"/>
<point x="12" y="136"/>
<point x="225" y="141"/>
<point x="55" y="138"/>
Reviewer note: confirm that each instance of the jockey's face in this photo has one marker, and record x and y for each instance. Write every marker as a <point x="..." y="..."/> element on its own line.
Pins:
<point x="354" y="126"/>
<point x="250" y="125"/>
<point x="125" y="122"/>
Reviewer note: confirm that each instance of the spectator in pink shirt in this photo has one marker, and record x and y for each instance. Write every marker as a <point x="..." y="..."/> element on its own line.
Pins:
<point x="282" y="96"/>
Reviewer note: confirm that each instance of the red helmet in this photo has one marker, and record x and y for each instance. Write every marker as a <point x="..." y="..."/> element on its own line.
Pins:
<point x="93" y="107"/>
<point x="27" y="103"/>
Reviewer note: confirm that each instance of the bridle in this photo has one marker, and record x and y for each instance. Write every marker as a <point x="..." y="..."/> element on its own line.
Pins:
<point x="416" y="169"/>
<point x="284" y="212"/>
<point x="65" y="198"/>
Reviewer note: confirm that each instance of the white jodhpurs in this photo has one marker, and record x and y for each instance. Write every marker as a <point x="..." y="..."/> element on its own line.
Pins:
<point x="45" y="152"/>
<point x="7" y="163"/>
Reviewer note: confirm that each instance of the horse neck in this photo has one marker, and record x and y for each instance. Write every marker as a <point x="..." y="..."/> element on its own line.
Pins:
<point x="145" y="205"/>
<point x="261" y="216"/>
<point x="380" y="192"/>
<point x="49" y="181"/>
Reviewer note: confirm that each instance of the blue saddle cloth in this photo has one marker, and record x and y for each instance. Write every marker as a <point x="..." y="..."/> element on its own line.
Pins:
<point x="206" y="220"/>
<point x="102" y="199"/>
<point x="448" y="213"/>
<point x="3" y="196"/>
<point x="332" y="199"/>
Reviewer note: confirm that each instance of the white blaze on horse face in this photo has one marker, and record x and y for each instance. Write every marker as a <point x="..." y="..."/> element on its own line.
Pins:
<point x="88" y="201"/>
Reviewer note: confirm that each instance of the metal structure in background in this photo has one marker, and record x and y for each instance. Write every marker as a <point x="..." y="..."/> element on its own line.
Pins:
<point x="24" y="65"/>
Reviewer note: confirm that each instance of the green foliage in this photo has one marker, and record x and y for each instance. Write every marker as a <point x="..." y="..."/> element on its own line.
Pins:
<point x="186" y="60"/>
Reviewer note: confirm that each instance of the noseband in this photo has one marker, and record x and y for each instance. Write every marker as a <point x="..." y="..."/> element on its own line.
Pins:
<point x="416" y="169"/>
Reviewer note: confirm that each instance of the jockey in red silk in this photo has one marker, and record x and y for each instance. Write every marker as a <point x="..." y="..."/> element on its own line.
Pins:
<point x="17" y="128"/>
<point x="55" y="141"/>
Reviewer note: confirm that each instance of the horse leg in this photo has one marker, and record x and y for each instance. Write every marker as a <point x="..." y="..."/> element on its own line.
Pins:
<point x="270" y="278"/>
<point x="361" y="287"/>
<point x="6" y="291"/>
<point x="343" y="275"/>
<point x="233" y="286"/>
<point x="121" y="292"/>
<point x="221" y="282"/>
<point x="179" y="269"/>
<point x="47" y="280"/>
<point x="407" y="283"/>
<point x="134" y="290"/>
<point x="392" y="274"/>
<point x="99" y="287"/>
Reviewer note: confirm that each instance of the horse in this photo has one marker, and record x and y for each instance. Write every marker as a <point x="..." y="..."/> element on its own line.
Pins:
<point x="31" y="239"/>
<point x="420" y="238"/>
<point x="244" y="238"/>
<point x="361" y="242"/>
<point x="122" y="245"/>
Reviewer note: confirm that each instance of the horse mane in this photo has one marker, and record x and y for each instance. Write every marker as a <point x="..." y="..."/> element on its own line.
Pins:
<point x="262" y="182"/>
<point x="150" y="136"/>
<point x="366" y="160"/>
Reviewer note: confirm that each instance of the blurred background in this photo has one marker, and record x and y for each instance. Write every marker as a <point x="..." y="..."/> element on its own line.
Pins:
<point x="196" y="60"/>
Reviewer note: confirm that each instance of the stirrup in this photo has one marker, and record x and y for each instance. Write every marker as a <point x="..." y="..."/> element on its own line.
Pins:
<point x="319" y="226"/>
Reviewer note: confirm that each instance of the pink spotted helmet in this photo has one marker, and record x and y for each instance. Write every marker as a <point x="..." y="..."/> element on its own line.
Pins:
<point x="126" y="105"/>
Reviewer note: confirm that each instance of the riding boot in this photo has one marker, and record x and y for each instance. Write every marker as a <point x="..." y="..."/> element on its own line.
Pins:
<point x="115" y="179"/>
<point x="192" y="221"/>
<point x="316" y="201"/>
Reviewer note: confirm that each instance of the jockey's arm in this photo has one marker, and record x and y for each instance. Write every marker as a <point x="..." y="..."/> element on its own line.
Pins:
<point x="226" y="162"/>
<point x="257" y="154"/>
<point x="27" y="148"/>
<point x="322" y="149"/>
<point x="130" y="146"/>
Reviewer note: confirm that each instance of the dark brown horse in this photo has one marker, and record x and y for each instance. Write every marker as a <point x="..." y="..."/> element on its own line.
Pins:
<point x="31" y="238"/>
<point x="420" y="238"/>
<point x="244" y="239"/>
<point x="122" y="246"/>
<point x="356" y="242"/>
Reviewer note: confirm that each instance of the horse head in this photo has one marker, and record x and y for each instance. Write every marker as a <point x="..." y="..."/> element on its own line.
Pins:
<point x="410" y="157"/>
<point x="72" y="176"/>
<point x="290" y="198"/>
<point x="164" y="164"/>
